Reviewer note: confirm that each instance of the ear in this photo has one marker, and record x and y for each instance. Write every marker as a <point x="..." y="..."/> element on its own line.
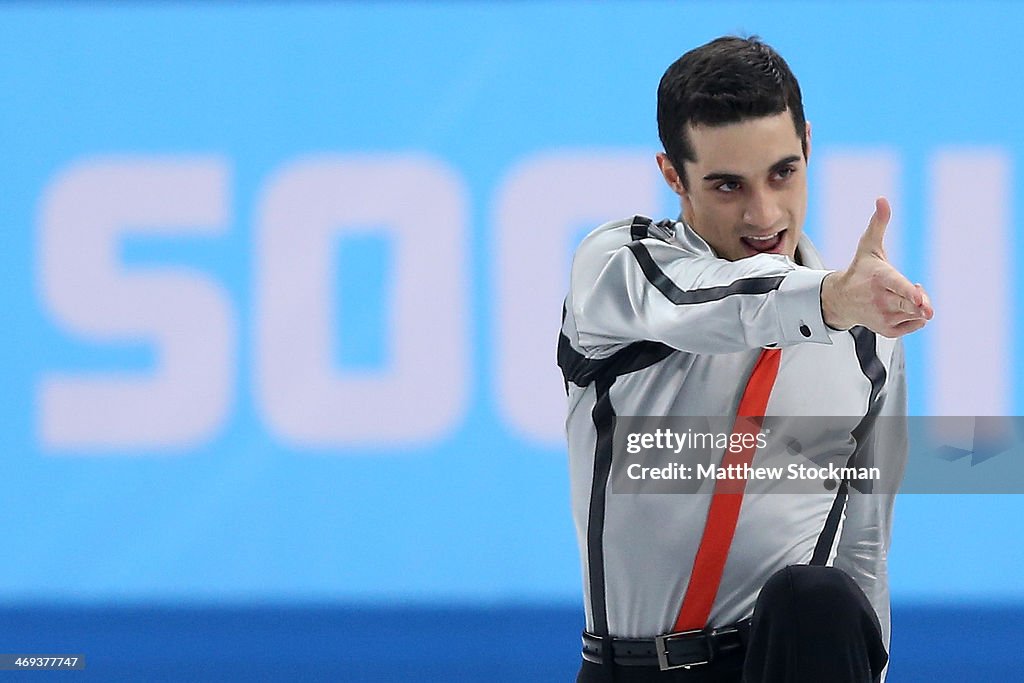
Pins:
<point x="669" y="173"/>
<point x="807" y="137"/>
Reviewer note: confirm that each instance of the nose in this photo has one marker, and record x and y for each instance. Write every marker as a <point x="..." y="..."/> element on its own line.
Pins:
<point x="762" y="210"/>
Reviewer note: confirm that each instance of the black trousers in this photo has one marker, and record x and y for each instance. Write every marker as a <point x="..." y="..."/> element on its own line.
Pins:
<point x="810" y="624"/>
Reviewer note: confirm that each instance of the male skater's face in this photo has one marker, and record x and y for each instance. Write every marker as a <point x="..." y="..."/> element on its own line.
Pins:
<point x="747" y="191"/>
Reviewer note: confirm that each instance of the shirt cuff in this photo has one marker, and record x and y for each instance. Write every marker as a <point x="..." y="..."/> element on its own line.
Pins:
<point x="799" y="303"/>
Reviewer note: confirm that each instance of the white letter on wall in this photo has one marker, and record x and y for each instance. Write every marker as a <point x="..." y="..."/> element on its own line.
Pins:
<point x="541" y="209"/>
<point x="420" y="205"/>
<point x="970" y="247"/>
<point x="850" y="181"/>
<point x="185" y="315"/>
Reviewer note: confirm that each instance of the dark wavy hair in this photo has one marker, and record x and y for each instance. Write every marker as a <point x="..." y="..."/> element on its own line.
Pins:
<point x="726" y="81"/>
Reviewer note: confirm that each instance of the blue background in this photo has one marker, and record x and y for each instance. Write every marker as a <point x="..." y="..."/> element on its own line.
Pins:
<point x="478" y="518"/>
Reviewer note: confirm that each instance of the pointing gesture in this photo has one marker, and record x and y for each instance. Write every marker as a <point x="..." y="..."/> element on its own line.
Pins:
<point x="871" y="292"/>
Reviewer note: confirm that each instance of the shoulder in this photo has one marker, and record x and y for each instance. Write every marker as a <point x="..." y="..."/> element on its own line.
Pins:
<point x="620" y="238"/>
<point x="605" y="237"/>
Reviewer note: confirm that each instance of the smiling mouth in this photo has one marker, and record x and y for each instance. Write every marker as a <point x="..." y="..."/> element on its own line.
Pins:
<point x="764" y="244"/>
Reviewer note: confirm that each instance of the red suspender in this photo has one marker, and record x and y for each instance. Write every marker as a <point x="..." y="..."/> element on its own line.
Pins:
<point x="725" y="504"/>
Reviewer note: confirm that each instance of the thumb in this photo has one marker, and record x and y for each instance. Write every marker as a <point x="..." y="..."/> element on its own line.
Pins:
<point x="871" y="240"/>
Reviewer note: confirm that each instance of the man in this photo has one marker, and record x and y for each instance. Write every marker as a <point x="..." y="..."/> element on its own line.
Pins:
<point x="729" y="312"/>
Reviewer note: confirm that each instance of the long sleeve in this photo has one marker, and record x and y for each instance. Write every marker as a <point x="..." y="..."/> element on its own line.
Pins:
<point x="657" y="290"/>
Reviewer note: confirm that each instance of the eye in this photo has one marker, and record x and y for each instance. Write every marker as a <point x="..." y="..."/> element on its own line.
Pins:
<point x="785" y="172"/>
<point x="728" y="186"/>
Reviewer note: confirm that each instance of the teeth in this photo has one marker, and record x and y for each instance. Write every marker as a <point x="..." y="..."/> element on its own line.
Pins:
<point x="763" y="239"/>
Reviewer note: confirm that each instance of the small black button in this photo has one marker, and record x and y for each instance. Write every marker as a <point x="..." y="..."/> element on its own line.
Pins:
<point x="804" y="330"/>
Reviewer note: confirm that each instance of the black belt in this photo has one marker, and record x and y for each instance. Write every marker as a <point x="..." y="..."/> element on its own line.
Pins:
<point x="679" y="650"/>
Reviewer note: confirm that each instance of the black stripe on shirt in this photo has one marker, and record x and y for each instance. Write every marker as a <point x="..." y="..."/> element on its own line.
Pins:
<point x="872" y="367"/>
<point x="582" y="371"/>
<point x="870" y="364"/>
<point x="657" y="277"/>
<point x="638" y="230"/>
<point x="603" y="373"/>
<point x="827" y="537"/>
<point x="603" y="415"/>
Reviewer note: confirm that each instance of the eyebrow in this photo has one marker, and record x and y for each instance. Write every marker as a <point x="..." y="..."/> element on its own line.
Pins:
<point x="733" y="177"/>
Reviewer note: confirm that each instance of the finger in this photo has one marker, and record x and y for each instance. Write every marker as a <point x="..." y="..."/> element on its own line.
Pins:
<point x="894" y="281"/>
<point x="902" y="318"/>
<point x="926" y="302"/>
<point x="904" y="328"/>
<point x="902" y="308"/>
<point x="895" y="320"/>
<point x="907" y="327"/>
<point x="872" y="239"/>
<point x="897" y="306"/>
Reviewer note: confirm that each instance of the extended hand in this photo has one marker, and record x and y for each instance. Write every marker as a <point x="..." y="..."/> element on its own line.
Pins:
<point x="871" y="292"/>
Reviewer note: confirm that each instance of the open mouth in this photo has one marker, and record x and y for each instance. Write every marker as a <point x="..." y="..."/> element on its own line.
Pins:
<point x="764" y="243"/>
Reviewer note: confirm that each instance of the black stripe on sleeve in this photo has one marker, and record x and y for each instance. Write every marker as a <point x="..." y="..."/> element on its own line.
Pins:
<point x="656" y="276"/>
<point x="581" y="371"/>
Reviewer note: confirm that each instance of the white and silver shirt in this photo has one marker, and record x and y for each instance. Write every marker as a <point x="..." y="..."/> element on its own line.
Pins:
<point x="655" y="324"/>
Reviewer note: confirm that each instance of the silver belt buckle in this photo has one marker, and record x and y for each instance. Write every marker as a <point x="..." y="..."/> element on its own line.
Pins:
<point x="661" y="646"/>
